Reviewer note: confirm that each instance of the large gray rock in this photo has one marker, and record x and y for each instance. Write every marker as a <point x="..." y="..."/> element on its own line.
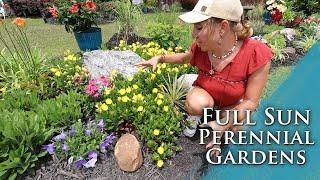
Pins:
<point x="101" y="62"/>
<point x="289" y="33"/>
<point x="128" y="153"/>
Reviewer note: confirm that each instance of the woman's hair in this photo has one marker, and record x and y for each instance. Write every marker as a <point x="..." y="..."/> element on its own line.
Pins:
<point x="242" y="29"/>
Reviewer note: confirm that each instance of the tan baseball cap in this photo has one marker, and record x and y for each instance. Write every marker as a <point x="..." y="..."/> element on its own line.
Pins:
<point x="224" y="9"/>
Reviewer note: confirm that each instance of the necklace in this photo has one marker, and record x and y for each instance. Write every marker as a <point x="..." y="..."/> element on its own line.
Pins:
<point x="229" y="52"/>
<point x="211" y="71"/>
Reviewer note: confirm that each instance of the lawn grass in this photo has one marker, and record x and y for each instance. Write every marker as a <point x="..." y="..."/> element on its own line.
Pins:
<point x="53" y="40"/>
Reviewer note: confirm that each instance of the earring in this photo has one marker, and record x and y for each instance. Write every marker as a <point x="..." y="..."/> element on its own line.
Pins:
<point x="220" y="41"/>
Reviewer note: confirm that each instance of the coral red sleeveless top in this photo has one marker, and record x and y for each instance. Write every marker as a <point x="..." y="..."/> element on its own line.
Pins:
<point x="228" y="86"/>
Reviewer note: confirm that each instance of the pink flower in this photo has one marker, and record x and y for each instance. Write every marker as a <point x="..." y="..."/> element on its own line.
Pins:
<point x="92" y="88"/>
<point x="104" y="81"/>
<point x="91" y="5"/>
<point x="74" y="8"/>
<point x="53" y="10"/>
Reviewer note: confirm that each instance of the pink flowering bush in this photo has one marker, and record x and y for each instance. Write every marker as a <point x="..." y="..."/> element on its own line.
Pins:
<point x="95" y="86"/>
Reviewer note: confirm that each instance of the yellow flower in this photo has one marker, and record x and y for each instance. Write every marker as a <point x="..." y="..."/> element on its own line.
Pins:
<point x="158" y="71"/>
<point x="163" y="65"/>
<point x="124" y="99"/>
<point x="121" y="41"/>
<point x="57" y="73"/>
<point x="156" y="132"/>
<point x="153" y="76"/>
<point x="160" y="163"/>
<point x="108" y="101"/>
<point x="140" y="109"/>
<point x="160" y="150"/>
<point x="160" y="96"/>
<point x="114" y="72"/>
<point x="135" y="86"/>
<point x="155" y="90"/>
<point x="3" y="90"/>
<point x="185" y="65"/>
<point x="128" y="89"/>
<point x="54" y="70"/>
<point x="104" y="107"/>
<point x="165" y="108"/>
<point x="159" y="102"/>
<point x="107" y="91"/>
<point x="130" y="78"/>
<point x="122" y="91"/>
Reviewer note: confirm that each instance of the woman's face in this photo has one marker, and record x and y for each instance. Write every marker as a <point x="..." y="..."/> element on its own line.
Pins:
<point x="205" y="39"/>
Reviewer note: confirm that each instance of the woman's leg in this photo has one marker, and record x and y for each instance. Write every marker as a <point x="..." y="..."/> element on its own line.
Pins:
<point x="197" y="99"/>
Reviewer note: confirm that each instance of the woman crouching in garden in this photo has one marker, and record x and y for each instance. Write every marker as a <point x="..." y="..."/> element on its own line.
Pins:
<point x="232" y="68"/>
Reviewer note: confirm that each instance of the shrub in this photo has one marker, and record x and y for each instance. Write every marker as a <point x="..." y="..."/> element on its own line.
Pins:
<point x="258" y="27"/>
<point x="166" y="35"/>
<point x="276" y="40"/>
<point x="271" y="28"/>
<point x="308" y="29"/>
<point x="29" y="7"/>
<point x="305" y="43"/>
<point x="62" y="110"/>
<point x="307" y="6"/>
<point x="256" y="13"/>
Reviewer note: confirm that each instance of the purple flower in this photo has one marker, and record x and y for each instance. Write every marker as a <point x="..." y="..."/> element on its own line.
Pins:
<point x="61" y="137"/>
<point x="65" y="147"/>
<point x="80" y="162"/>
<point x="106" y="143"/>
<point x="101" y="125"/>
<point x="49" y="148"/>
<point x="92" y="154"/>
<point x="87" y="132"/>
<point x="72" y="132"/>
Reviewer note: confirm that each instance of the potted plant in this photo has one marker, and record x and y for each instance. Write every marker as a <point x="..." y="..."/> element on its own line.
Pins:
<point x="275" y="10"/>
<point x="79" y="17"/>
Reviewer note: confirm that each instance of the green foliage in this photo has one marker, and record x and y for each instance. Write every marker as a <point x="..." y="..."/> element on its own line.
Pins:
<point x="166" y="35"/>
<point x="20" y="65"/>
<point x="277" y="40"/>
<point x="289" y="15"/>
<point x="305" y="43"/>
<point x="278" y="52"/>
<point x="64" y="75"/>
<point x="19" y="99"/>
<point x="174" y="90"/>
<point x="307" y="6"/>
<point x="271" y="28"/>
<point x="308" y="29"/>
<point x="256" y="13"/>
<point x="258" y="27"/>
<point x="22" y="133"/>
<point x="175" y="7"/>
<point x="61" y="110"/>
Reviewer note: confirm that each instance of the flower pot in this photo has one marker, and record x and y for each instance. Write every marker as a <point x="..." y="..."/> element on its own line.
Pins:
<point x="89" y="40"/>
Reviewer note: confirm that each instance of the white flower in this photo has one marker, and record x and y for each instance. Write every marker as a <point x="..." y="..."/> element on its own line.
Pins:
<point x="270" y="2"/>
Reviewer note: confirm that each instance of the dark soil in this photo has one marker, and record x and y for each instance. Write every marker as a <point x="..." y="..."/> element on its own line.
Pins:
<point x="187" y="164"/>
<point x="132" y="38"/>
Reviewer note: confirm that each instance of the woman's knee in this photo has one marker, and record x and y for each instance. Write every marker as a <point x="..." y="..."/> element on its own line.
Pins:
<point x="197" y="99"/>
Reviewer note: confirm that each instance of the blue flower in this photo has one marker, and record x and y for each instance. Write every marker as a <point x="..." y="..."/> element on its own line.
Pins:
<point x="101" y="125"/>
<point x="92" y="154"/>
<point x="106" y="143"/>
<point x="87" y="132"/>
<point x="65" y="147"/>
<point x="49" y="148"/>
<point x="72" y="132"/>
<point x="80" y="162"/>
<point x="61" y="137"/>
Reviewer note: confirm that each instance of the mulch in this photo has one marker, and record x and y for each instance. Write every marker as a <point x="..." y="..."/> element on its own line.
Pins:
<point x="190" y="163"/>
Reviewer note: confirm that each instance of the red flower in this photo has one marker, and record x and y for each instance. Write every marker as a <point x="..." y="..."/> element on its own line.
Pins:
<point x="53" y="10"/>
<point x="91" y="5"/>
<point x="74" y="8"/>
<point x="276" y="16"/>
